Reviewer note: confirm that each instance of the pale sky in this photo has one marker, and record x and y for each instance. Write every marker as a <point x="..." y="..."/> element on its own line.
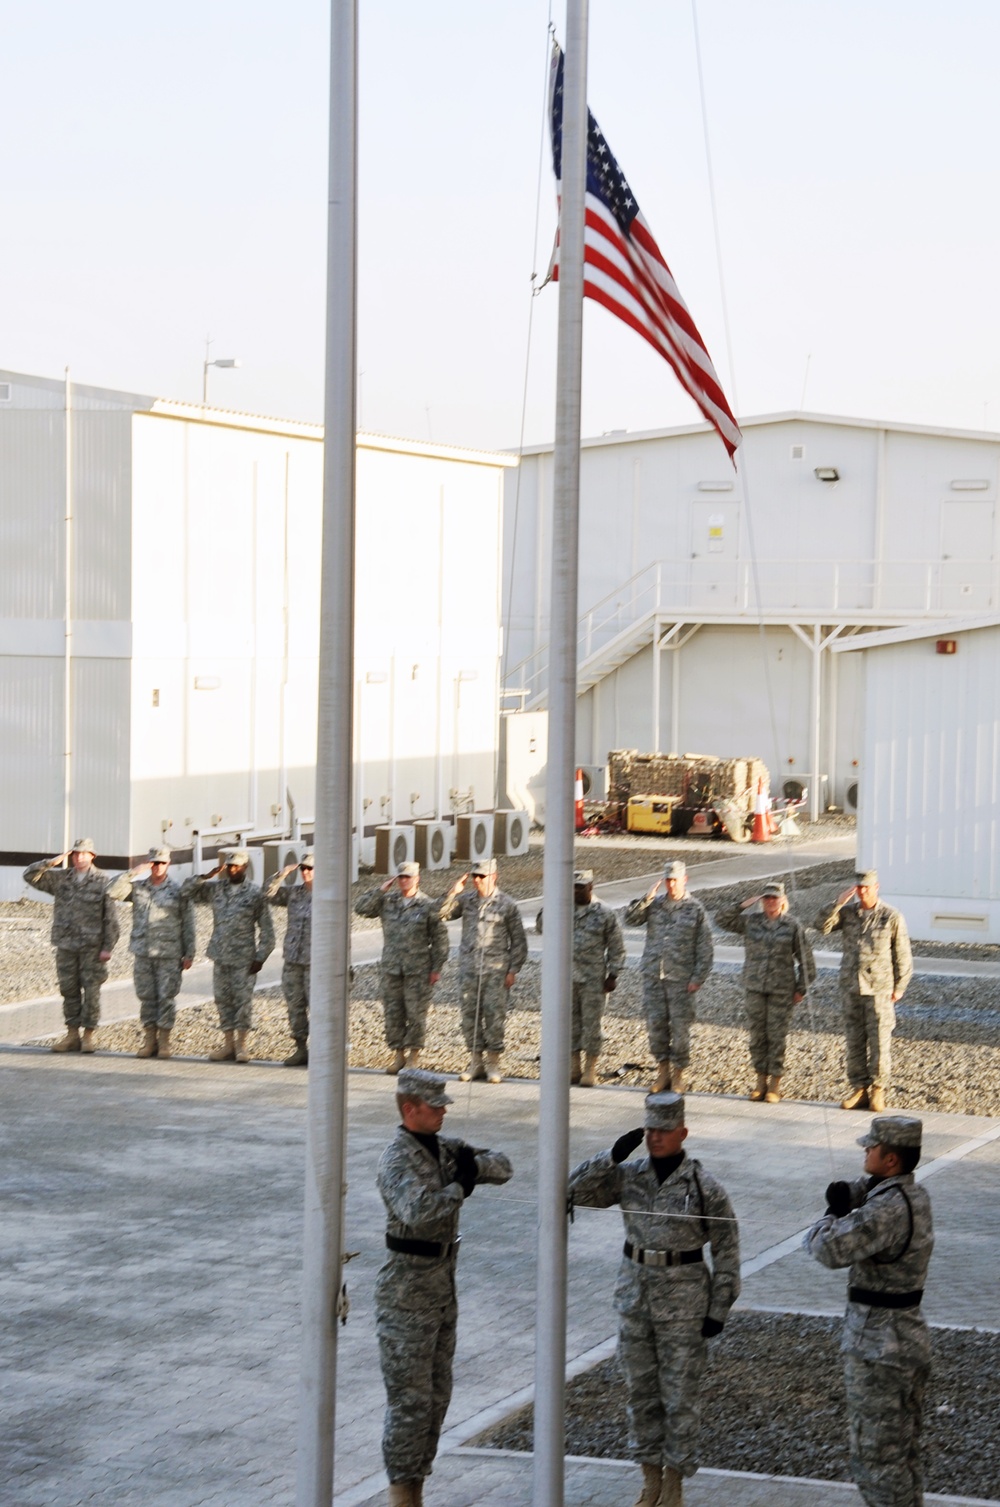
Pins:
<point x="164" y="177"/>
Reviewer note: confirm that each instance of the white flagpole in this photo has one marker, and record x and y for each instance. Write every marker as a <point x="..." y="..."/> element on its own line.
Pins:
<point x="557" y="886"/>
<point x="326" y="1127"/>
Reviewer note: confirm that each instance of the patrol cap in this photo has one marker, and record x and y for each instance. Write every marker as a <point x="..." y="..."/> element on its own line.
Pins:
<point x="417" y="1083"/>
<point x="866" y="876"/>
<point x="775" y="888"/>
<point x="664" y="1111"/>
<point x="583" y="876"/>
<point x="160" y="855"/>
<point x="410" y="870"/>
<point x="675" y="870"/>
<point x="84" y="845"/>
<point x="484" y="868"/>
<point x="306" y="861"/>
<point x="238" y="856"/>
<point x="893" y="1130"/>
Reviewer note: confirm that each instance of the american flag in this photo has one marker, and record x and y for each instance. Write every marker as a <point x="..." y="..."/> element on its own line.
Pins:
<point x="625" y="271"/>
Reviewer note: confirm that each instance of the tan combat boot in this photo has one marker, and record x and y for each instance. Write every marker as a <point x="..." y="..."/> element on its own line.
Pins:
<point x="68" y="1043"/>
<point x="413" y="1057"/>
<point x="652" y="1479"/>
<point x="300" y="1057"/>
<point x="588" y="1078"/>
<point x="773" y="1095"/>
<point x="574" y="1067"/>
<point x="678" y="1082"/>
<point x="226" y="1052"/>
<point x="87" y="1042"/>
<point x="876" y="1098"/>
<point x="398" y="1061"/>
<point x="672" y="1494"/>
<point x="493" y="1073"/>
<point x="756" y="1095"/>
<point x="662" y="1079"/>
<point x="242" y="1050"/>
<point x="856" y="1099"/>
<point x="475" y="1071"/>
<point x="163" y="1044"/>
<point x="148" y="1048"/>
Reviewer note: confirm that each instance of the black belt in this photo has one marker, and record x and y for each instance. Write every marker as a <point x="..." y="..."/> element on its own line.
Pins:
<point x="662" y="1258"/>
<point x="884" y="1299"/>
<point x="430" y="1248"/>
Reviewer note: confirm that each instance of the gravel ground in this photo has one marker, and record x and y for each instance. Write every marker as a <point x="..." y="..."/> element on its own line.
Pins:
<point x="788" y="1418"/>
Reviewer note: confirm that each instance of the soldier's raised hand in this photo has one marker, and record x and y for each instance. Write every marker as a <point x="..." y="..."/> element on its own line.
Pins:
<point x="626" y="1144"/>
<point x="838" y="1199"/>
<point x="843" y="899"/>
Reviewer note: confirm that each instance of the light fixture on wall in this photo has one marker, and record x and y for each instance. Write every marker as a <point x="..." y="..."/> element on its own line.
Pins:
<point x="207" y="682"/>
<point x="826" y="473"/>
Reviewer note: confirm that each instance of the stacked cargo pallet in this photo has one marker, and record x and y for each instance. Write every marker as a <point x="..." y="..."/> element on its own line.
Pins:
<point x="689" y="782"/>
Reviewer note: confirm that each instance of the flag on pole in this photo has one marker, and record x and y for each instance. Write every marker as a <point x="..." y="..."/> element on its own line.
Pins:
<point x="625" y="271"/>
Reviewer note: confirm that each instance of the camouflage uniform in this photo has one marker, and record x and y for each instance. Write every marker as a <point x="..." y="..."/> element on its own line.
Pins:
<point x="416" y="1308"/>
<point x="163" y="933"/>
<point x="886" y="1240"/>
<point x="493" y="945"/>
<point x="297" y="900"/>
<point x="678" y="952"/>
<point x="415" y="946"/>
<point x="661" y="1309"/>
<point x="598" y="954"/>
<point x="242" y="933"/>
<point x="778" y="964"/>
<point x="84" y="925"/>
<point x="875" y="964"/>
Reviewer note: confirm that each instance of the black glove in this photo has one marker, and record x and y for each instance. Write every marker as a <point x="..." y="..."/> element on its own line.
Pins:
<point x="710" y="1328"/>
<point x="626" y="1144"/>
<point x="466" y="1171"/>
<point x="838" y="1199"/>
<point x="611" y="983"/>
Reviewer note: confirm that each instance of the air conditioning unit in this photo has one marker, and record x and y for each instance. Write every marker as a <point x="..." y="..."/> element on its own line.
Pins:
<point x="277" y="855"/>
<point x="474" y="836"/>
<point x="851" y="795"/>
<point x="595" y="782"/>
<point x="393" y="847"/>
<point x="510" y="832"/>
<point x="432" y="844"/>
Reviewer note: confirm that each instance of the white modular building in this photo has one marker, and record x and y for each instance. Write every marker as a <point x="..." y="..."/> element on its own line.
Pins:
<point x="159" y="624"/>
<point x="710" y="598"/>
<point x="929" y="798"/>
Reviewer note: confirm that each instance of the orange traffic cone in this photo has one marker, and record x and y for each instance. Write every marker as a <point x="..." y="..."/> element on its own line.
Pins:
<point x="761" y="826"/>
<point x="578" y="802"/>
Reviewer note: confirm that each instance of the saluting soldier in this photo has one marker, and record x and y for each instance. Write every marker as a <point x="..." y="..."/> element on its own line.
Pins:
<point x="84" y="933"/>
<point x="492" y="953"/>
<point x="297" y="900"/>
<point x="875" y="968"/>
<point x="162" y="945"/>
<point x="598" y="958"/>
<point x="424" y="1179"/>
<point x="880" y="1225"/>
<point x="669" y="1303"/>
<point x="241" y="943"/>
<point x="778" y="969"/>
<point x="414" y="950"/>
<point x="676" y="961"/>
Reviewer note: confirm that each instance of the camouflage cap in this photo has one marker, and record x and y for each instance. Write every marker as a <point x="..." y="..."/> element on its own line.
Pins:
<point x="417" y="1083"/>
<point x="866" y="876"/>
<point x="159" y="855"/>
<point x="893" y="1130"/>
<point x="775" y="888"/>
<point x="238" y="856"/>
<point x="484" y="868"/>
<point x="410" y="870"/>
<point x="664" y="1111"/>
<point x="675" y="870"/>
<point x="306" y="861"/>
<point x="84" y="845"/>
<point x="583" y="876"/>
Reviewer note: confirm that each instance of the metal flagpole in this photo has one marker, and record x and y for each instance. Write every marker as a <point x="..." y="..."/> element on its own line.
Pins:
<point x="326" y="1127"/>
<point x="557" y="886"/>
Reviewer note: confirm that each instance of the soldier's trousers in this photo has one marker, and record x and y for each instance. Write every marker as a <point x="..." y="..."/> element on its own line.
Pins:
<point x="662" y="1365"/>
<point x="588" y="1008"/>
<point x="295" y="984"/>
<point x="484" y="1009"/>
<point x="885" y="1408"/>
<point x="769" y="1016"/>
<point x="233" y="988"/>
<point x="406" y="998"/>
<point x="80" y="973"/>
<point x="869" y="1021"/>
<point x="157" y="981"/>
<point x="416" y="1348"/>
<point x="669" y="1016"/>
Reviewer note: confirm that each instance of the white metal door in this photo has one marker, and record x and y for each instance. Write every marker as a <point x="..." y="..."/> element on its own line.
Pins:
<point x="967" y="555"/>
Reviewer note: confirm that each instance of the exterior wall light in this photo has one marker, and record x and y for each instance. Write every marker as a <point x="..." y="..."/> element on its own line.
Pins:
<point x="826" y="473"/>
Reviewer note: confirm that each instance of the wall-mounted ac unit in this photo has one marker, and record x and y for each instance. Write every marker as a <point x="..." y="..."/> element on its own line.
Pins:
<point x="595" y="782"/>
<point x="393" y="846"/>
<point x="474" y="836"/>
<point x="510" y="832"/>
<point x="432" y="844"/>
<point x="851" y="795"/>
<point x="277" y="855"/>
